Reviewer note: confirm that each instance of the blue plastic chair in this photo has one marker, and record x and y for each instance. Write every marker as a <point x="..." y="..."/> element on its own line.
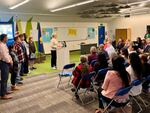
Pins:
<point x="66" y="72"/>
<point x="93" y="62"/>
<point x="148" y="78"/>
<point x="137" y="83"/>
<point x="126" y="64"/>
<point x="87" y="77"/>
<point x="120" y="92"/>
<point x="101" y="73"/>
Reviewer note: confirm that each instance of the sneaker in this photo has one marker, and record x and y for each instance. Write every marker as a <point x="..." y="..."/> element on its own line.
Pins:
<point x="54" y="68"/>
<point x="34" y="68"/>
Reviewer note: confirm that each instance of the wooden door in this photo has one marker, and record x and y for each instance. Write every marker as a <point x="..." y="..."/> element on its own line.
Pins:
<point x="123" y="34"/>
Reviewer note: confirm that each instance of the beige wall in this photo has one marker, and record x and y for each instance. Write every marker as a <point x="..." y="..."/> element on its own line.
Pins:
<point x="136" y="23"/>
<point x="72" y="45"/>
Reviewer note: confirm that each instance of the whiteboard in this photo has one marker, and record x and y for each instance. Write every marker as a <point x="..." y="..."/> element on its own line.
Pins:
<point x="64" y="35"/>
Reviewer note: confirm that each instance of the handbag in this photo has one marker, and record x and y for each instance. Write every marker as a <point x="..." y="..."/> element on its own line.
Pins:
<point x="32" y="56"/>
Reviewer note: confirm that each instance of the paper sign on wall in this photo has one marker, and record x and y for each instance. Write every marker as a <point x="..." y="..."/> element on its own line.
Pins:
<point x="72" y="32"/>
<point x="34" y="34"/>
<point x="91" y="32"/>
<point x="47" y="34"/>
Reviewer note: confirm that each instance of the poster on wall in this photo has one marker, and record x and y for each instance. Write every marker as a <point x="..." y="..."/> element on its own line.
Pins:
<point x="47" y="34"/>
<point x="6" y="29"/>
<point x="34" y="34"/>
<point x="91" y="32"/>
<point x="72" y="32"/>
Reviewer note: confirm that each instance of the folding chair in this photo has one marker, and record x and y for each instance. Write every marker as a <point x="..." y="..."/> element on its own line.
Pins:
<point x="87" y="77"/>
<point x="93" y="62"/>
<point x="66" y="72"/>
<point x="101" y="74"/>
<point x="120" y="92"/>
<point x="137" y="83"/>
<point x="126" y="64"/>
<point x="148" y="78"/>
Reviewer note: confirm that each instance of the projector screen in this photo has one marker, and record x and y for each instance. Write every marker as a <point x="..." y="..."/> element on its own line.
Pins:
<point x="7" y="28"/>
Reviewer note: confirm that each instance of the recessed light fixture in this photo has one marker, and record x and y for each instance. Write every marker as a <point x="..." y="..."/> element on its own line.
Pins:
<point x="19" y="4"/>
<point x="73" y="5"/>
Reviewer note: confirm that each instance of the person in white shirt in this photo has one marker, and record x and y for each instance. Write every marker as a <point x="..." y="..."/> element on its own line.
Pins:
<point x="54" y="44"/>
<point x="5" y="62"/>
<point x="135" y="71"/>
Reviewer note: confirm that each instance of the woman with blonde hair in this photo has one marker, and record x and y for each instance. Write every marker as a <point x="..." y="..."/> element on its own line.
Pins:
<point x="93" y="55"/>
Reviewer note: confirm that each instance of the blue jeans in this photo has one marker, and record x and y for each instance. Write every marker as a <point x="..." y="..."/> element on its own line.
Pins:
<point x="4" y="67"/>
<point x="18" y="78"/>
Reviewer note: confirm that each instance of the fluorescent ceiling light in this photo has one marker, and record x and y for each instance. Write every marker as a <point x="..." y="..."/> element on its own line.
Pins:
<point x="73" y="5"/>
<point x="133" y="10"/>
<point x="141" y="2"/>
<point x="19" y="4"/>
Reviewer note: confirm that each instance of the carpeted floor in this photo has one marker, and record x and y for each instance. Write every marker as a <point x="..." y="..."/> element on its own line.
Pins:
<point x="40" y="94"/>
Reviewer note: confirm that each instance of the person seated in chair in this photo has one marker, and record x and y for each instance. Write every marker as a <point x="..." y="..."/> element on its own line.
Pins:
<point x="82" y="69"/>
<point x="146" y="72"/>
<point x="93" y="55"/>
<point x="115" y="79"/>
<point x="135" y="70"/>
<point x="102" y="63"/>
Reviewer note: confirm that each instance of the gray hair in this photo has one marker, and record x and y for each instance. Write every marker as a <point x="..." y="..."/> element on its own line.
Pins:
<point x="93" y="49"/>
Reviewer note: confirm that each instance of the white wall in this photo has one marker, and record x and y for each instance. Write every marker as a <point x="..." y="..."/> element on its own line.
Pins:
<point x="137" y="24"/>
<point x="72" y="45"/>
<point x="48" y="21"/>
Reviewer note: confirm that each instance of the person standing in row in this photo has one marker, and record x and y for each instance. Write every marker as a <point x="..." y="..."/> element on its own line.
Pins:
<point x="54" y="44"/>
<point x="14" y="68"/>
<point x="5" y="62"/>
<point x="26" y="64"/>
<point x="32" y="53"/>
<point x="20" y="55"/>
<point x="24" y="67"/>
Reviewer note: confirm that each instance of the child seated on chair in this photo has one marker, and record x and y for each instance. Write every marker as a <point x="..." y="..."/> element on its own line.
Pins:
<point x="82" y="69"/>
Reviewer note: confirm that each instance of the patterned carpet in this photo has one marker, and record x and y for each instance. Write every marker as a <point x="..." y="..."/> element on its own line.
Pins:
<point x="40" y="95"/>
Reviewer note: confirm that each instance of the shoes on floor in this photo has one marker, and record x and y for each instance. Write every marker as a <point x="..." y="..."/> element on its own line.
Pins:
<point x="77" y="96"/>
<point x="21" y="79"/>
<point x="34" y="68"/>
<point x="20" y="83"/>
<point x="9" y="92"/>
<point x="14" y="88"/>
<point x="54" y="68"/>
<point x="73" y="89"/>
<point x="6" y="97"/>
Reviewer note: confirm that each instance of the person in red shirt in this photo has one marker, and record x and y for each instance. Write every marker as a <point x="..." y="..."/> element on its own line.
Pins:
<point x="82" y="69"/>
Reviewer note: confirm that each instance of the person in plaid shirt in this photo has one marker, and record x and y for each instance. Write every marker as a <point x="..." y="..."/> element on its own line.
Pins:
<point x="20" y="55"/>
